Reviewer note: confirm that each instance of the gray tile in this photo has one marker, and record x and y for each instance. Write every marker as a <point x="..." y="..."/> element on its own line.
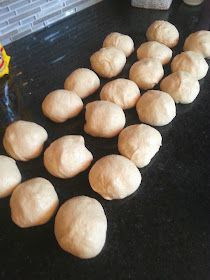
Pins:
<point x="7" y="16"/>
<point x="20" y="35"/>
<point x="24" y="28"/>
<point x="28" y="20"/>
<point x="38" y="26"/>
<point x="8" y="28"/>
<point x="61" y="16"/>
<point x="18" y="4"/>
<point x="30" y="6"/>
<point x="5" y="3"/>
<point x="6" y="41"/>
<point x="69" y="9"/>
<point x="7" y="35"/>
<point x="24" y="15"/>
<point x="70" y="2"/>
<point x="47" y="9"/>
<point x="3" y="24"/>
<point x="44" y="18"/>
<point x="4" y="11"/>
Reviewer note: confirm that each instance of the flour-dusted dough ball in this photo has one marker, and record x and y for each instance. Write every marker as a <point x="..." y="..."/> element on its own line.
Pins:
<point x="67" y="156"/>
<point x="199" y="42"/>
<point x="156" y="108"/>
<point x="83" y="82"/>
<point x="24" y="140"/>
<point x="80" y="227"/>
<point x="123" y="92"/>
<point x="156" y="50"/>
<point x="61" y="105"/>
<point x="146" y="73"/>
<point x="108" y="62"/>
<point x="114" y="177"/>
<point x="139" y="143"/>
<point x="163" y="32"/>
<point x="33" y="203"/>
<point x="119" y="41"/>
<point x="182" y="87"/>
<point x="104" y="119"/>
<point x="191" y="62"/>
<point x="10" y="176"/>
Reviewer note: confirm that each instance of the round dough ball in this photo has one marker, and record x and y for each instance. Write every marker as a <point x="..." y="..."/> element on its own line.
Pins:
<point x="114" y="177"/>
<point x="155" y="50"/>
<point x="123" y="92"/>
<point x="61" y="105"/>
<point x="24" y="140"/>
<point x="181" y="86"/>
<point x="163" y="32"/>
<point x="10" y="176"/>
<point x="199" y="42"/>
<point x="33" y="203"/>
<point x="119" y="41"/>
<point x="156" y="108"/>
<point x="104" y="119"/>
<point x="67" y="156"/>
<point x="191" y="62"/>
<point x="83" y="82"/>
<point x="146" y="73"/>
<point x="80" y="227"/>
<point x="139" y="143"/>
<point x="108" y="62"/>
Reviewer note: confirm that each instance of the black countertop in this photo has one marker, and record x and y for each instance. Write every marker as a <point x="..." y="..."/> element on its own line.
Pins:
<point x="162" y="231"/>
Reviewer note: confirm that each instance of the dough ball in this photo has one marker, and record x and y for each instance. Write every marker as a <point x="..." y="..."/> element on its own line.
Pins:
<point x="191" y="62"/>
<point x="156" y="108"/>
<point x="108" y="62"/>
<point x="146" y="73"/>
<point x="80" y="227"/>
<point x="61" y="105"/>
<point x="199" y="42"/>
<point x="182" y="87"/>
<point x="163" y="32"/>
<point x="119" y="41"/>
<point x="114" y="177"/>
<point x="104" y="119"/>
<point x="67" y="156"/>
<point x="83" y="82"/>
<point x="10" y="176"/>
<point x="24" y="140"/>
<point x="123" y="92"/>
<point x="33" y="203"/>
<point x="139" y="143"/>
<point x="155" y="50"/>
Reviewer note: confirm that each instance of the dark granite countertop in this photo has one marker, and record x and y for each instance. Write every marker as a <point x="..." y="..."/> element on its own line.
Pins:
<point x="161" y="232"/>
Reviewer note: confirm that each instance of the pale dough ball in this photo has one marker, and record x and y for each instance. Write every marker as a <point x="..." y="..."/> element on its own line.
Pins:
<point x="33" y="203"/>
<point x="10" y="176"/>
<point x="114" y="177"/>
<point x="108" y="62"/>
<point x="61" y="105"/>
<point x="146" y="73"/>
<point x="156" y="108"/>
<point x="156" y="50"/>
<point x="67" y="156"/>
<point x="163" y="32"/>
<point x="182" y="87"/>
<point x="139" y="143"/>
<point x="199" y="42"/>
<point x="24" y="140"/>
<point x="80" y="227"/>
<point x="83" y="82"/>
<point x="104" y="119"/>
<point x="123" y="92"/>
<point x="119" y="41"/>
<point x="191" y="62"/>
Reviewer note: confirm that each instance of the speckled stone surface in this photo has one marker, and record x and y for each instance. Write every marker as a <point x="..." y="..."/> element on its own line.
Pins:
<point x="162" y="231"/>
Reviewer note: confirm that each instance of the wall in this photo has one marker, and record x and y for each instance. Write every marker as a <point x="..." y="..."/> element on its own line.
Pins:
<point x="19" y="18"/>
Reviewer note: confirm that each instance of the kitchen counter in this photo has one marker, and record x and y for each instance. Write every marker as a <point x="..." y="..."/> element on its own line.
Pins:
<point x="162" y="231"/>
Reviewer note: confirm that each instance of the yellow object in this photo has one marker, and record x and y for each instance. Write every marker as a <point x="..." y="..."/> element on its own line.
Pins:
<point x="4" y="62"/>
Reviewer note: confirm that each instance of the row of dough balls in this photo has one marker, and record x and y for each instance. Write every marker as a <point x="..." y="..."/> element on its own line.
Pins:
<point x="139" y="143"/>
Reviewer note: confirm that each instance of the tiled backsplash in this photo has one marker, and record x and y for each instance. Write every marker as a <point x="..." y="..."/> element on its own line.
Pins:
<point x="19" y="18"/>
